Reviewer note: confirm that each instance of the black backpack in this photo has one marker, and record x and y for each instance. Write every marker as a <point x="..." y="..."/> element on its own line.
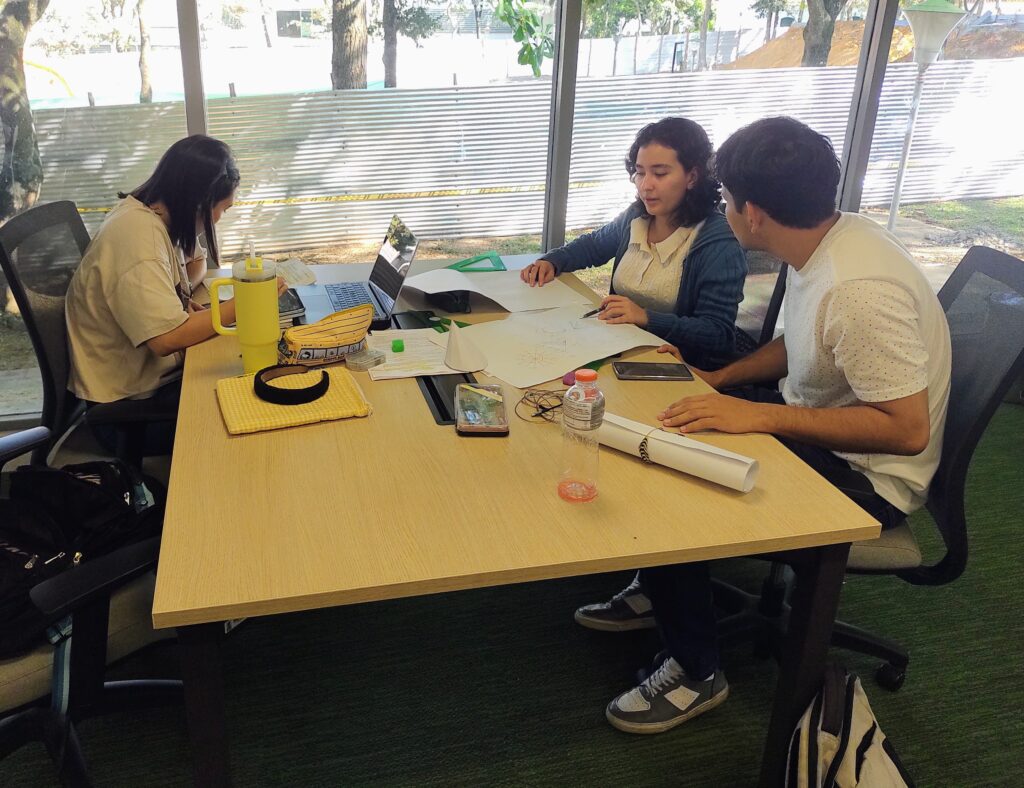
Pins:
<point x="53" y="519"/>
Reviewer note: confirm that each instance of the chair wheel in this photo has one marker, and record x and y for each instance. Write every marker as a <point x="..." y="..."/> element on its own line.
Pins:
<point x="890" y="677"/>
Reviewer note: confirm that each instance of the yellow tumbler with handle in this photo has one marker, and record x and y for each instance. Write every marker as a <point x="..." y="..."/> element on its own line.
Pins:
<point x="257" y="324"/>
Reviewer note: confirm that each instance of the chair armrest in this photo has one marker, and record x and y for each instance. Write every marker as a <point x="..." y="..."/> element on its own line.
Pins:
<point x="131" y="411"/>
<point x="69" y="590"/>
<point x="19" y="443"/>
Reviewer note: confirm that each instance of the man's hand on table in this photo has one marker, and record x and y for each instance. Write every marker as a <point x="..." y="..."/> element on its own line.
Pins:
<point x="712" y="411"/>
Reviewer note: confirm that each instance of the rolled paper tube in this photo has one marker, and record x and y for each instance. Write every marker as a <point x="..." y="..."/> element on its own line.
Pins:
<point x="652" y="444"/>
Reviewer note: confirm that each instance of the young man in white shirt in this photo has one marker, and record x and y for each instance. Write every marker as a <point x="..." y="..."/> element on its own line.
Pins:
<point x="862" y="372"/>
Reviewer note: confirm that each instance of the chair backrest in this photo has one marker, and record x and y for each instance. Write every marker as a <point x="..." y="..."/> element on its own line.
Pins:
<point x="39" y="252"/>
<point x="984" y="305"/>
<point x="771" y="317"/>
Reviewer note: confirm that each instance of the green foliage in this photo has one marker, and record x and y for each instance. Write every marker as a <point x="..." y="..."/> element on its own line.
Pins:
<point x="608" y="18"/>
<point x="413" y="21"/>
<point x="535" y="36"/>
<point x="762" y="8"/>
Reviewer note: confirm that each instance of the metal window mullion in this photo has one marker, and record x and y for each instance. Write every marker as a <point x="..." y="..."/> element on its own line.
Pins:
<point x="860" y="129"/>
<point x="563" y="108"/>
<point x="192" y="67"/>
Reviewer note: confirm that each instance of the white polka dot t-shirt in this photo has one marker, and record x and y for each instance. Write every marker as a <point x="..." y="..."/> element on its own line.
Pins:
<point x="863" y="325"/>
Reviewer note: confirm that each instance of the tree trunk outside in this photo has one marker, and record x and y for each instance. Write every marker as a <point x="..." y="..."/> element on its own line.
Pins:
<point x="615" y="53"/>
<point x="636" y="43"/>
<point x="702" y="50"/>
<point x="821" y="24"/>
<point x="266" y="29"/>
<point x="478" y="12"/>
<point x="390" y="44"/>
<point x="348" y="30"/>
<point x="22" y="175"/>
<point x="146" y="89"/>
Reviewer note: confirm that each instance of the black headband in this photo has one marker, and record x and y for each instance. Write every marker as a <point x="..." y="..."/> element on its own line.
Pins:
<point x="280" y="396"/>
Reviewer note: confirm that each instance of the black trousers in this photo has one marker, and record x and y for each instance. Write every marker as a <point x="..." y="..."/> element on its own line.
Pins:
<point x="681" y="594"/>
<point x="159" y="438"/>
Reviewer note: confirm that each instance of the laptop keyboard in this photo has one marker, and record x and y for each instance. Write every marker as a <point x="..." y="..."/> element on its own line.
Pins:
<point x="346" y="296"/>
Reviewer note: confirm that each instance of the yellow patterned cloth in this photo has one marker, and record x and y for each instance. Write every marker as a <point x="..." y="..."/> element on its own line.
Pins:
<point x="244" y="412"/>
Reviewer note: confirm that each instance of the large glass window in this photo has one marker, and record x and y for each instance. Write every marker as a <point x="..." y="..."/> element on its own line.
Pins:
<point x="95" y="102"/>
<point x="963" y="169"/>
<point x="721" y="63"/>
<point x="342" y="114"/>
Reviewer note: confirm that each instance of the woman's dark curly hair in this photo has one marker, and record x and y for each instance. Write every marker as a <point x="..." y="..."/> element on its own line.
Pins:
<point x="693" y="150"/>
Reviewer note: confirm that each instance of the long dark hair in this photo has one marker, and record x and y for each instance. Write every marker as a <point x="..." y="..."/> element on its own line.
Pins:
<point x="193" y="175"/>
<point x="693" y="150"/>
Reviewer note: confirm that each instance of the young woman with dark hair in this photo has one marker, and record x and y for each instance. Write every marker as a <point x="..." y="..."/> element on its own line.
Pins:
<point x="130" y="313"/>
<point x="678" y="269"/>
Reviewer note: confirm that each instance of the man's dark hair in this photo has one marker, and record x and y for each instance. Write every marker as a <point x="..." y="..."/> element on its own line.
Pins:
<point x="192" y="176"/>
<point x="693" y="150"/>
<point x="787" y="169"/>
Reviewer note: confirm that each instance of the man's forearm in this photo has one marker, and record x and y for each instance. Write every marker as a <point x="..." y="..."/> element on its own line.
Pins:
<point x="764" y="365"/>
<point x="857" y="428"/>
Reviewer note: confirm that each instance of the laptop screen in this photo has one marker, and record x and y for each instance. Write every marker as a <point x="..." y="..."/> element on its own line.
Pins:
<point x="393" y="262"/>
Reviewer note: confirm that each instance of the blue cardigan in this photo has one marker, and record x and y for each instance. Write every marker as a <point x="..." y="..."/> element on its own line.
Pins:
<point x="703" y="324"/>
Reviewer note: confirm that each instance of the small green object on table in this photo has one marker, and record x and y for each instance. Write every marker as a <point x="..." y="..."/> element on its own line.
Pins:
<point x="469" y="265"/>
<point x="397" y="345"/>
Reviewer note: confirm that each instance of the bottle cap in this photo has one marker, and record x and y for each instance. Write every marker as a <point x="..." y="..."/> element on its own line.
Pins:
<point x="585" y="375"/>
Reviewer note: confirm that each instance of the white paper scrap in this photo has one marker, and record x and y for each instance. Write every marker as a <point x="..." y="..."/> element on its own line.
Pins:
<point x="295" y="272"/>
<point x="422" y="354"/>
<point x="503" y="287"/>
<point x="679" y="452"/>
<point x="525" y="349"/>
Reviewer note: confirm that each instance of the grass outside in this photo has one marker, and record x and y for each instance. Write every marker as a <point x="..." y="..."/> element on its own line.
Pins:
<point x="15" y="346"/>
<point x="981" y="220"/>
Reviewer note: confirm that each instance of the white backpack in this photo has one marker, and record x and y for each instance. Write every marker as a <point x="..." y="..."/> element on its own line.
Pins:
<point x="838" y="744"/>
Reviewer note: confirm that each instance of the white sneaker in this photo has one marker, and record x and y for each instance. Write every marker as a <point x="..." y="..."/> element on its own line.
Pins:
<point x="628" y="609"/>
<point x="667" y="698"/>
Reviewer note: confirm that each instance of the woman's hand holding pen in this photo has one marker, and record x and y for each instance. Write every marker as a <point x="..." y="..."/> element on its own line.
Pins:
<point x="538" y="273"/>
<point x="619" y="309"/>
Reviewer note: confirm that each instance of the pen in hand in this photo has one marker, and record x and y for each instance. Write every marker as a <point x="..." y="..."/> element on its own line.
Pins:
<point x="592" y="312"/>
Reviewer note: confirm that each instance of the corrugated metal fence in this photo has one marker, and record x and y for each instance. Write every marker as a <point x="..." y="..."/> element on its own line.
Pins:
<point x="323" y="168"/>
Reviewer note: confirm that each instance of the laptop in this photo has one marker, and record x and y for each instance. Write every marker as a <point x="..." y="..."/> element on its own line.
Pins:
<point x="385" y="283"/>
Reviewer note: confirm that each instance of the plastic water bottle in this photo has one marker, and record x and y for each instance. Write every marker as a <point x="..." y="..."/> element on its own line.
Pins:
<point x="582" y="414"/>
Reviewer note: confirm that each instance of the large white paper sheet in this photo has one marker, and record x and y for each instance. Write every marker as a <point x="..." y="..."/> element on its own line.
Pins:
<point x="423" y="354"/>
<point x="679" y="452"/>
<point x="525" y="349"/>
<point x="503" y="287"/>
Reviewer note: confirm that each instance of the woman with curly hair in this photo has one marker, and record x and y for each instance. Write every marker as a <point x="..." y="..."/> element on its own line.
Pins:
<point x="678" y="269"/>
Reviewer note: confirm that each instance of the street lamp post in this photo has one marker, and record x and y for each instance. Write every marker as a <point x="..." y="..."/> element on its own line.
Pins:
<point x="931" y="22"/>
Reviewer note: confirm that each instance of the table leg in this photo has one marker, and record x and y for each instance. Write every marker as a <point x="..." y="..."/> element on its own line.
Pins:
<point x="819" y="581"/>
<point x="203" y="681"/>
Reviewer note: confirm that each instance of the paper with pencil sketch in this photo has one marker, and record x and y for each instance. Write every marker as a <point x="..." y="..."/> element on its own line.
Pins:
<point x="503" y="287"/>
<point x="679" y="452"/>
<point x="525" y="349"/>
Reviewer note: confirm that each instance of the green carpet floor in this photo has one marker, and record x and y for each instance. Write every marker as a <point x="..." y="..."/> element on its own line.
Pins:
<point x="499" y="687"/>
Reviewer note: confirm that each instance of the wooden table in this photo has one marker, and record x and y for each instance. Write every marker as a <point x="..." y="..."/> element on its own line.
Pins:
<point x="394" y="506"/>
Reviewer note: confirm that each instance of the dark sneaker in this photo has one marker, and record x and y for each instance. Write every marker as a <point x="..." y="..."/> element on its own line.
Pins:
<point x="667" y="698"/>
<point x="628" y="609"/>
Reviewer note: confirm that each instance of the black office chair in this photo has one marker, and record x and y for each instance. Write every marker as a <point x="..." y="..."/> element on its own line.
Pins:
<point x="39" y="252"/>
<point x="984" y="305"/>
<point x="747" y="344"/>
<point x="109" y="596"/>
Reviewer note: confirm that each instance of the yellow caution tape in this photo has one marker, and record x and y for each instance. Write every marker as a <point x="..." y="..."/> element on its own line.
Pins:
<point x="382" y="196"/>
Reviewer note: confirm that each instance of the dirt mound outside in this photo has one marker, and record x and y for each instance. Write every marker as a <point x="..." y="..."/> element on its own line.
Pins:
<point x="787" y="50"/>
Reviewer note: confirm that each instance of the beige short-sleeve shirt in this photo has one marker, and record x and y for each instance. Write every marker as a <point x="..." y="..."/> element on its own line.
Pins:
<point x="649" y="274"/>
<point x="131" y="287"/>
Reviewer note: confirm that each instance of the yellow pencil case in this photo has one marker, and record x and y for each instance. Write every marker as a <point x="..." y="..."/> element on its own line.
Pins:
<point x="328" y="340"/>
